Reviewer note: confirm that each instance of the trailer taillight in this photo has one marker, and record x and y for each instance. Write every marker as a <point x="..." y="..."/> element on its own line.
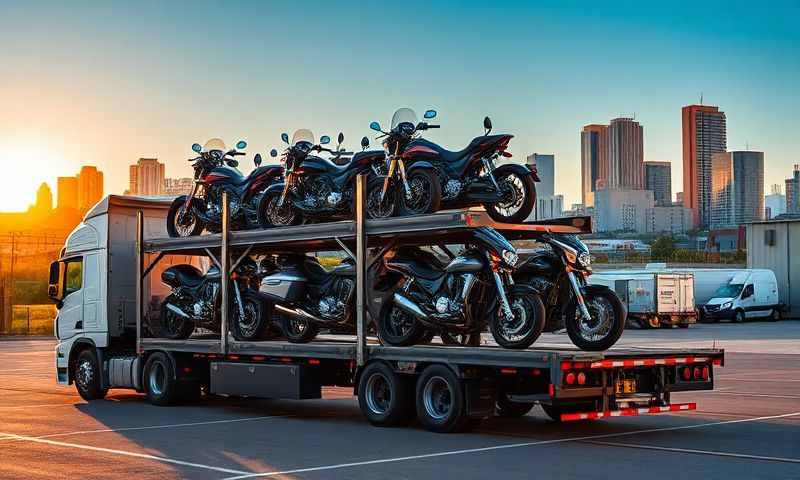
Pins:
<point x="687" y="373"/>
<point x="706" y="373"/>
<point x="581" y="378"/>
<point x="698" y="373"/>
<point x="570" y="378"/>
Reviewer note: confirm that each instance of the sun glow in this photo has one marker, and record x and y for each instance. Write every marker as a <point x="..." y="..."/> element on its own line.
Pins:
<point x="24" y="170"/>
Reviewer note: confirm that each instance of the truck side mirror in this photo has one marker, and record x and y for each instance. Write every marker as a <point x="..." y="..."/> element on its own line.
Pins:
<point x="54" y="282"/>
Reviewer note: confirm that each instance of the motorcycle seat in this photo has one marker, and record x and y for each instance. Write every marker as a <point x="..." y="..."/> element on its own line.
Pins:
<point x="188" y="275"/>
<point x="416" y="268"/>
<point x="451" y="156"/>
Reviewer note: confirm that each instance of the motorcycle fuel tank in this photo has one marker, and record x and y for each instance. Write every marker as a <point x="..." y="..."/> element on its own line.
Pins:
<point x="465" y="264"/>
<point x="284" y="286"/>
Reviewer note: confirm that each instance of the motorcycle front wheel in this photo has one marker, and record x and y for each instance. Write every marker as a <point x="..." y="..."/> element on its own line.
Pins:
<point x="183" y="221"/>
<point x="271" y="215"/>
<point x="174" y="326"/>
<point x="425" y="193"/>
<point x="526" y="326"/>
<point x="605" y="326"/>
<point x="519" y="197"/>
<point x="375" y="207"/>
<point x="252" y="324"/>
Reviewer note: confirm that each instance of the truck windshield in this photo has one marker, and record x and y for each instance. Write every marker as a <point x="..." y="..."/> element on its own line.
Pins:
<point x="732" y="290"/>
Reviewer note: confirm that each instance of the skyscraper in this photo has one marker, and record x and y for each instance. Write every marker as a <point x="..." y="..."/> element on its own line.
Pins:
<point x="68" y="192"/>
<point x="594" y="160"/>
<point x="147" y="177"/>
<point x="44" y="199"/>
<point x="90" y="187"/>
<point x="703" y="135"/>
<point x="545" y="166"/>
<point x="737" y="186"/>
<point x="793" y="192"/>
<point x="625" y="154"/>
<point x="774" y="203"/>
<point x="658" y="178"/>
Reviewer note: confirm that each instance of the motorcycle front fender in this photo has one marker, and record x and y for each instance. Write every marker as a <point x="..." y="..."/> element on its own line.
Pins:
<point x="521" y="170"/>
<point x="421" y="165"/>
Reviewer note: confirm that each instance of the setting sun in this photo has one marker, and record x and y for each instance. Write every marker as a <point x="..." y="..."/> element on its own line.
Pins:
<point x="24" y="170"/>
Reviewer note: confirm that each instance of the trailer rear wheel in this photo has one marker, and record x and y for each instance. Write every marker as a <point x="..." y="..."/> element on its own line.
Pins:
<point x="441" y="402"/>
<point x="159" y="380"/>
<point x="87" y="376"/>
<point x="508" y="408"/>
<point x="384" y="397"/>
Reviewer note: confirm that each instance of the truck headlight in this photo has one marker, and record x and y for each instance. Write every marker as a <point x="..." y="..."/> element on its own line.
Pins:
<point x="585" y="260"/>
<point x="510" y="257"/>
<point x="726" y="305"/>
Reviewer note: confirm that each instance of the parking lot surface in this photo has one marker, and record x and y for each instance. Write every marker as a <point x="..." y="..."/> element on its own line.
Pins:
<point x="749" y="427"/>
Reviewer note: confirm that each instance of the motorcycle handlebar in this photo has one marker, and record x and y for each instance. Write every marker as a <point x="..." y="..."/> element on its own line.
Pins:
<point x="433" y="126"/>
<point x="236" y="153"/>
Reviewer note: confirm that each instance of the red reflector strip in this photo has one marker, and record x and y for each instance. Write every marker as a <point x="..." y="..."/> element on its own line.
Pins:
<point x="647" y="362"/>
<point x="717" y="362"/>
<point x="627" y="412"/>
<point x="508" y="371"/>
<point x="259" y="358"/>
<point x="313" y="361"/>
<point x="286" y="360"/>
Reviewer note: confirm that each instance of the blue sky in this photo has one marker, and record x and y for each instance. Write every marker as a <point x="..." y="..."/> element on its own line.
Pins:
<point x="108" y="82"/>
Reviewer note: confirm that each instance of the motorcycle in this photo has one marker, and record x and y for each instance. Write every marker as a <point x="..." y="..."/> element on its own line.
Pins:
<point x="215" y="172"/>
<point x="195" y="301"/>
<point x="316" y="188"/>
<point x="413" y="291"/>
<point x="455" y="179"/>
<point x="593" y="314"/>
<point x="306" y="296"/>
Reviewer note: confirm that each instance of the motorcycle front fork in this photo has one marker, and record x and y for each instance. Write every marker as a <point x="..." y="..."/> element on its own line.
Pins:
<point x="396" y="164"/>
<point x="238" y="295"/>
<point x="188" y="203"/>
<point x="576" y="290"/>
<point x="501" y="292"/>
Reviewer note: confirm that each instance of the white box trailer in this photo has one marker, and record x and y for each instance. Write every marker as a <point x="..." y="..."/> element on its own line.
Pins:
<point x="653" y="298"/>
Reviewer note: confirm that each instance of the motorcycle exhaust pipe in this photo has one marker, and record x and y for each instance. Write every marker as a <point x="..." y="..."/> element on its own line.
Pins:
<point x="177" y="311"/>
<point x="299" y="314"/>
<point x="410" y="307"/>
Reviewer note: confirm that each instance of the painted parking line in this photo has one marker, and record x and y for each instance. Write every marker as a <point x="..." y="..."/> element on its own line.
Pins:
<point x="696" y="452"/>
<point x="126" y="454"/>
<point x="504" y="447"/>
<point x="11" y="407"/>
<point x="148" y="427"/>
<point x="774" y="380"/>
<point x="753" y="394"/>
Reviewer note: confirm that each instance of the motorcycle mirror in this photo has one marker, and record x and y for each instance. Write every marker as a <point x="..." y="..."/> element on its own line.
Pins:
<point x="487" y="124"/>
<point x="375" y="126"/>
<point x="257" y="160"/>
<point x="241" y="144"/>
<point x="340" y="138"/>
<point x="364" y="143"/>
<point x="430" y="114"/>
<point x="324" y="140"/>
<point x="196" y="147"/>
<point x="285" y="137"/>
<point x="273" y="153"/>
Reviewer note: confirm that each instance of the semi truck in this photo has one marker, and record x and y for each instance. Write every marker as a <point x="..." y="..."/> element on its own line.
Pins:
<point x="106" y="286"/>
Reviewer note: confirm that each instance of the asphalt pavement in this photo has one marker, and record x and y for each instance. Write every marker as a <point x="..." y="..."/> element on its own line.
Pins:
<point x="749" y="427"/>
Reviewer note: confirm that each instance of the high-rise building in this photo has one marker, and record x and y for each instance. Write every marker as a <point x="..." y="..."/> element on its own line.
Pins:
<point x="549" y="207"/>
<point x="146" y="177"/>
<point x="793" y="192"/>
<point x="594" y="160"/>
<point x="704" y="134"/>
<point x="625" y="154"/>
<point x="90" y="187"/>
<point x="737" y="187"/>
<point x="178" y="186"/>
<point x="44" y="199"/>
<point x="67" y="192"/>
<point x="679" y="198"/>
<point x="774" y="203"/>
<point x="546" y="168"/>
<point x="658" y="178"/>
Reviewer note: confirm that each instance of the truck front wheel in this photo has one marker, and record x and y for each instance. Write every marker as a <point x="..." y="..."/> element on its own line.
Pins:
<point x="385" y="397"/>
<point x="87" y="376"/>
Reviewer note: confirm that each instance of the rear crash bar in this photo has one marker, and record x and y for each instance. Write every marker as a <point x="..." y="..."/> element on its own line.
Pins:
<point x="645" y="362"/>
<point x="627" y="412"/>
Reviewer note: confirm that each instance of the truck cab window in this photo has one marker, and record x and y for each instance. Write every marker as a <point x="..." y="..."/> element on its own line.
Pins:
<point x="74" y="276"/>
<point x="748" y="291"/>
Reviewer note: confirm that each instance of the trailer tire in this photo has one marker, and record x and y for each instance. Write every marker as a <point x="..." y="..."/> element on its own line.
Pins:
<point x="385" y="398"/>
<point x="441" y="401"/>
<point x="88" y="375"/>
<point x="510" y="409"/>
<point x="159" y="381"/>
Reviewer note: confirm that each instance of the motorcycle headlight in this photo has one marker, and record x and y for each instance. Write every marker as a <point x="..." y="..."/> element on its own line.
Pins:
<point x="510" y="257"/>
<point x="585" y="260"/>
<point x="726" y="305"/>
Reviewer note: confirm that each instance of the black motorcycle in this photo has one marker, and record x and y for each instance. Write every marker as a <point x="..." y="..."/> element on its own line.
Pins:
<point x="413" y="291"/>
<point x="215" y="171"/>
<point x="195" y="301"/>
<point x="593" y="314"/>
<point x="306" y="296"/>
<point x="432" y="177"/>
<point x="318" y="189"/>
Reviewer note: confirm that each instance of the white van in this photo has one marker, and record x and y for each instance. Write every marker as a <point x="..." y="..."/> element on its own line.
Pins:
<point x="749" y="294"/>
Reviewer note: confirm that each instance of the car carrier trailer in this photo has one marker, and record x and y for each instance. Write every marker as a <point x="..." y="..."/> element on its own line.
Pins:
<point x="449" y="388"/>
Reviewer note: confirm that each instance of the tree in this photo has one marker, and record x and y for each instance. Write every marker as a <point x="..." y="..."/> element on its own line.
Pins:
<point x="663" y="248"/>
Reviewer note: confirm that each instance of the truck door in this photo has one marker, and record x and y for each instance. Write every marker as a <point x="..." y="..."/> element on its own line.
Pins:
<point x="747" y="301"/>
<point x="70" y="313"/>
<point x="92" y="306"/>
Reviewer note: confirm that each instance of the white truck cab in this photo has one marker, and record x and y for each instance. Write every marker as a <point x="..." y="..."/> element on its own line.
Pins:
<point x="93" y="284"/>
<point x="749" y="294"/>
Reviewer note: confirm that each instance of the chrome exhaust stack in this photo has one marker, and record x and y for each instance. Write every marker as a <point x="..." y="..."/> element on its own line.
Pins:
<point x="410" y="307"/>
<point x="177" y="311"/>
<point x="298" y="314"/>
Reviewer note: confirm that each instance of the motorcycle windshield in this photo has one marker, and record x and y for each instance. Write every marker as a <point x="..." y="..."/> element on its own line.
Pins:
<point x="404" y="115"/>
<point x="573" y="241"/>
<point x="214" y="144"/>
<point x="303" y="135"/>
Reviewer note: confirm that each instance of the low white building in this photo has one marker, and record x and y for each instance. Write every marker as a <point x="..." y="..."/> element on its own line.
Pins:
<point x="672" y="219"/>
<point x="622" y="210"/>
<point x="775" y="244"/>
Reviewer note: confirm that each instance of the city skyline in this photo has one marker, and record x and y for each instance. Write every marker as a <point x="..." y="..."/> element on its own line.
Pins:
<point x="104" y="84"/>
